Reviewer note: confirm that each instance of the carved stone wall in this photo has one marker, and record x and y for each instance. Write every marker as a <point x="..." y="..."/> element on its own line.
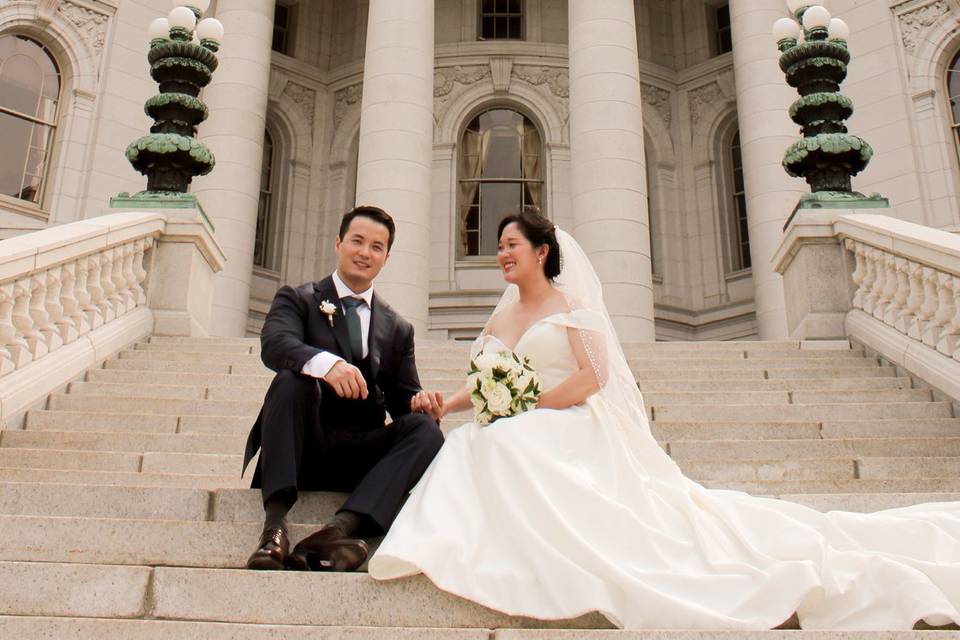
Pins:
<point x="344" y="100"/>
<point x="91" y="24"/>
<point x="916" y="18"/>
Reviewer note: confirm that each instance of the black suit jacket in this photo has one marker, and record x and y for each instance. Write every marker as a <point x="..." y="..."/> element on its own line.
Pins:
<point x="295" y="330"/>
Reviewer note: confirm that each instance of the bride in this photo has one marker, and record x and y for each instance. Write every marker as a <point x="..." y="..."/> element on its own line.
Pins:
<point x="573" y="507"/>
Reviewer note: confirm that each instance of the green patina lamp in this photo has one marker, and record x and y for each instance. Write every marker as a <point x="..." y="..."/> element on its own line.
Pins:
<point x="814" y="58"/>
<point x="182" y="62"/>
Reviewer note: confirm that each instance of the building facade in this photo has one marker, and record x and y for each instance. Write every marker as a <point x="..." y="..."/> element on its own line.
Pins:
<point x="651" y="129"/>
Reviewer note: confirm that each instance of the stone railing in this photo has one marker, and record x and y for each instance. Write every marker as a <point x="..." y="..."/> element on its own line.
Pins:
<point x="57" y="302"/>
<point x="920" y="301"/>
<point x="889" y="284"/>
<point x="73" y="295"/>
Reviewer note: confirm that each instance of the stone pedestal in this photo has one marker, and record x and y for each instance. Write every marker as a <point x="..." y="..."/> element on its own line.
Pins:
<point x="608" y="176"/>
<point x="816" y="277"/>
<point x="237" y="99"/>
<point x="766" y="131"/>
<point x="396" y="145"/>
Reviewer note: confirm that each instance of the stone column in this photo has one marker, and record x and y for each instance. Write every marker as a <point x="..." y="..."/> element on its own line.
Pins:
<point x="237" y="99"/>
<point x="607" y="168"/>
<point x="396" y="145"/>
<point x="766" y="131"/>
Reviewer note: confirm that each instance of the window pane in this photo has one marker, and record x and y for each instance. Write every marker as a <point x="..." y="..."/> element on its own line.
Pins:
<point x="515" y="29"/>
<point x="500" y="168"/>
<point x="29" y="78"/>
<point x="496" y="200"/>
<point x="486" y="32"/>
<point x="953" y="81"/>
<point x="723" y="16"/>
<point x="726" y="41"/>
<point x="16" y="134"/>
<point x="488" y="6"/>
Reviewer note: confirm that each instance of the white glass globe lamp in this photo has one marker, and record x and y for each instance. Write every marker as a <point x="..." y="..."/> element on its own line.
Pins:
<point x="838" y="30"/>
<point x="786" y="29"/>
<point x="816" y="17"/>
<point x="210" y="32"/>
<point x="159" y="29"/>
<point x="182" y="18"/>
<point x="202" y="5"/>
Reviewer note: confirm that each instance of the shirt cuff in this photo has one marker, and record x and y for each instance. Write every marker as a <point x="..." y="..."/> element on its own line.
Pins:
<point x="319" y="365"/>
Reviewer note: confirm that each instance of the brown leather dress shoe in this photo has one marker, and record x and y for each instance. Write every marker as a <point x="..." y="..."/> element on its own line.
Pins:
<point x="327" y="549"/>
<point x="273" y="550"/>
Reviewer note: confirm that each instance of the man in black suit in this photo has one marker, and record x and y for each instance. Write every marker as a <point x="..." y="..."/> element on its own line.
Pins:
<point x="343" y="359"/>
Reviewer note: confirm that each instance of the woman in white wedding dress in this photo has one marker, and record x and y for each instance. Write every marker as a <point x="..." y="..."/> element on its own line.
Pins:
<point x="573" y="507"/>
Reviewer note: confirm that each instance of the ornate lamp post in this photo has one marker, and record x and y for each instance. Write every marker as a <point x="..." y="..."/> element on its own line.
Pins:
<point x="182" y="61"/>
<point x="814" y="59"/>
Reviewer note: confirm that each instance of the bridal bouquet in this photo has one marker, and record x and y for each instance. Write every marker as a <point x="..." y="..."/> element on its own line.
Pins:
<point x="501" y="385"/>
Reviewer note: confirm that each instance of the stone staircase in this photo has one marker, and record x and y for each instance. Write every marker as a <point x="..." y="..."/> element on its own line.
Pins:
<point x="124" y="516"/>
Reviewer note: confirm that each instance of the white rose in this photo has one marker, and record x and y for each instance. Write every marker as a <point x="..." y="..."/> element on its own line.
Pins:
<point x="498" y="398"/>
<point x="486" y="361"/>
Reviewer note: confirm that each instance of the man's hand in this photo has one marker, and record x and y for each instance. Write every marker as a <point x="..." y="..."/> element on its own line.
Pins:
<point x="428" y="402"/>
<point x="347" y="381"/>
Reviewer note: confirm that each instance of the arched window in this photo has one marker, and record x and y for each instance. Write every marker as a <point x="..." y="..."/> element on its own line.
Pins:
<point x="29" y="97"/>
<point x="738" y="234"/>
<point x="953" y="92"/>
<point x="266" y="219"/>
<point x="501" y="167"/>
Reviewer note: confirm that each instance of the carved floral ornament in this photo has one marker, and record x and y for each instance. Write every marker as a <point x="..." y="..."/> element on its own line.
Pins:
<point x="91" y="24"/>
<point x="702" y="98"/>
<point x="304" y="97"/>
<point x="346" y="99"/>
<point x="918" y="18"/>
<point x="659" y="99"/>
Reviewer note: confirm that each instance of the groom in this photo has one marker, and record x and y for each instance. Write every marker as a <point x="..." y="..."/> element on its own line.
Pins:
<point x="343" y="359"/>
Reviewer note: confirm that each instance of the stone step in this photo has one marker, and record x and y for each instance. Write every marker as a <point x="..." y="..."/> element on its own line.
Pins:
<point x="91" y="402"/>
<point x="733" y="450"/>
<point x="660" y="361"/>
<point x="701" y="374"/>
<point x="839" y="486"/>
<point x="202" y="464"/>
<point x="57" y="589"/>
<point x="183" y="367"/>
<point x="906" y="467"/>
<point x="71" y="500"/>
<point x="820" y="412"/>
<point x="60" y="420"/>
<point x="184" y="340"/>
<point x="866" y="502"/>
<point x="122" y="441"/>
<point x="659" y="398"/>
<point x="121" y="629"/>
<point x="716" y="473"/>
<point x="216" y="349"/>
<point x="119" y="478"/>
<point x="776" y="373"/>
<point x="798" y="384"/>
<point x="182" y="543"/>
<point x="187" y="356"/>
<point x="69" y="459"/>
<point x="173" y="392"/>
<point x="738" y="430"/>
<point x="124" y="376"/>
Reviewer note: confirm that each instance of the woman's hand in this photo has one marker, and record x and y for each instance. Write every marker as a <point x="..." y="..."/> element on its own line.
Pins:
<point x="428" y="402"/>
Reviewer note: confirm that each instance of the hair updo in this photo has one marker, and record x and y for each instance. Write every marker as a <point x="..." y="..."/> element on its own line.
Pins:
<point x="536" y="228"/>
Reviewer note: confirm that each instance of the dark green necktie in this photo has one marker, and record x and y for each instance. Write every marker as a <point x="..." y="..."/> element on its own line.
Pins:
<point x="350" y="305"/>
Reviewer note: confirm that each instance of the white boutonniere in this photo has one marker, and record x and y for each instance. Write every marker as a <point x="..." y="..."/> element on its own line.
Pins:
<point x="329" y="309"/>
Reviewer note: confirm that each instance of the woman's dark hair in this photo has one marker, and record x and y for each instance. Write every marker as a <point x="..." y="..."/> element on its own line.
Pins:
<point x="374" y="213"/>
<point x="538" y="229"/>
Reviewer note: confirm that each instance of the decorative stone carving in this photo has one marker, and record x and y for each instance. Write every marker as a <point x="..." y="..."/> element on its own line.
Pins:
<point x="500" y="71"/>
<point x="91" y="24"/>
<point x="702" y="98"/>
<point x="304" y="97"/>
<point x="558" y="79"/>
<point x="659" y="99"/>
<point x="344" y="100"/>
<point x="915" y="21"/>
<point x="445" y="79"/>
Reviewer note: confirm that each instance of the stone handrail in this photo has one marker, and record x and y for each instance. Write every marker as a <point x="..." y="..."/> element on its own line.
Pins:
<point x="920" y="301"/>
<point x="61" y="283"/>
<point x="73" y="295"/>
<point x="890" y="284"/>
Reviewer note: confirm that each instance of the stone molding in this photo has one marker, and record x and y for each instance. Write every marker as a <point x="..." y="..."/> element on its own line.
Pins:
<point x="916" y="19"/>
<point x="659" y="100"/>
<point x="345" y="100"/>
<point x="450" y="82"/>
<point x="703" y="98"/>
<point x="304" y="97"/>
<point x="92" y="25"/>
<point x="556" y="78"/>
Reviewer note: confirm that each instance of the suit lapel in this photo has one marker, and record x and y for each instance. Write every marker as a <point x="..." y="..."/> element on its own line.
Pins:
<point x="326" y="291"/>
<point x="380" y="319"/>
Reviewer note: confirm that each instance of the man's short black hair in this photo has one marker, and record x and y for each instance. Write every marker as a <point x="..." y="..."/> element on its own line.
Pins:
<point x="374" y="213"/>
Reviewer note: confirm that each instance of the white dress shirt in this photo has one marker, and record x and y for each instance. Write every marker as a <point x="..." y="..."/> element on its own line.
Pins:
<point x="320" y="364"/>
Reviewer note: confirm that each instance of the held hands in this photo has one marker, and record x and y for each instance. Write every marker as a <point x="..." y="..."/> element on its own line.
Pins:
<point x="347" y="381"/>
<point x="428" y="402"/>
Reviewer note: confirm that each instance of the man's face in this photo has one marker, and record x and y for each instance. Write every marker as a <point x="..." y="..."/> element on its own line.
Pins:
<point x="362" y="253"/>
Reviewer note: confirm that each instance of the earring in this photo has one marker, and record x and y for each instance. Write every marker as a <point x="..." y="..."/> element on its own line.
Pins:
<point x="540" y="261"/>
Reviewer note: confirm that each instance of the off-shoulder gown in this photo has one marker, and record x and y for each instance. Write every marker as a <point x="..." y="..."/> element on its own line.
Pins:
<point x="556" y="513"/>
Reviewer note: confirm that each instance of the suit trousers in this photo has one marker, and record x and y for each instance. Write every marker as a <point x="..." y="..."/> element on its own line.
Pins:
<point x="376" y="464"/>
